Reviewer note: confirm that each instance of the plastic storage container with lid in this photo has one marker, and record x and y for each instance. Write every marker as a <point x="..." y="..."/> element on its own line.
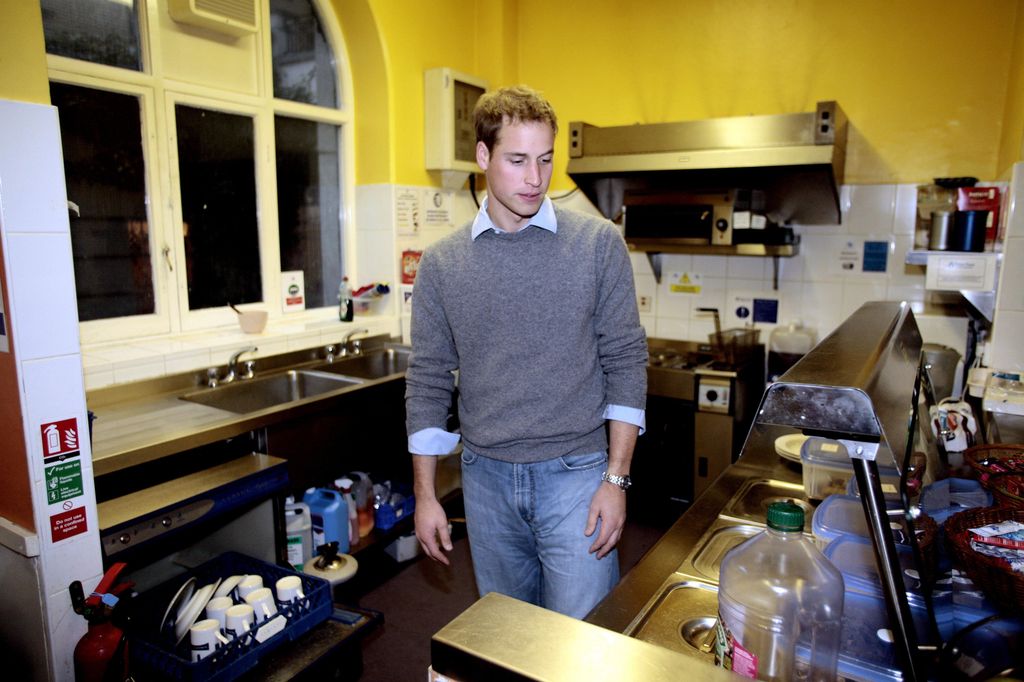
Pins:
<point x="773" y="589"/>
<point x="786" y="345"/>
<point x="839" y="515"/>
<point x="827" y="469"/>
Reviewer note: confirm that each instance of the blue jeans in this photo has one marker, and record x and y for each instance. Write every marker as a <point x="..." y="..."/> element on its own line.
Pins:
<point x="526" y="524"/>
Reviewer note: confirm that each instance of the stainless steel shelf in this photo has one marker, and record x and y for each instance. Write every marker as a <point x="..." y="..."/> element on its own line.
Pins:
<point x="920" y="256"/>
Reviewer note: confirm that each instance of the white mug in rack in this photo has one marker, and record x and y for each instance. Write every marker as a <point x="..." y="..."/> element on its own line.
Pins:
<point x="217" y="608"/>
<point x="262" y="602"/>
<point x="205" y="638"/>
<point x="248" y="584"/>
<point x="239" y="619"/>
<point x="289" y="589"/>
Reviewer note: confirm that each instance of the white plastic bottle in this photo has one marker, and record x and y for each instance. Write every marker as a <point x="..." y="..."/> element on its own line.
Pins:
<point x="775" y="589"/>
<point x="344" y="301"/>
<point x="344" y="485"/>
<point x="298" y="532"/>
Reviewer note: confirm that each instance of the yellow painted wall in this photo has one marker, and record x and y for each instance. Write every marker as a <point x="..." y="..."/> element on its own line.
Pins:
<point x="1012" y="148"/>
<point x="931" y="87"/>
<point x="23" y="52"/>
<point x="922" y="81"/>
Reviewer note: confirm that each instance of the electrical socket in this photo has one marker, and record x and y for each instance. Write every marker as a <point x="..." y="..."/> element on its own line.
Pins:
<point x="644" y="303"/>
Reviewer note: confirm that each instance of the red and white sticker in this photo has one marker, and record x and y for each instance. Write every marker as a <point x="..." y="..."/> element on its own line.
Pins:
<point x="67" y="524"/>
<point x="60" y="438"/>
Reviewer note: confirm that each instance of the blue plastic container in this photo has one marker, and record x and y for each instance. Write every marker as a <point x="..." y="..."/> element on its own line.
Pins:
<point x="329" y="513"/>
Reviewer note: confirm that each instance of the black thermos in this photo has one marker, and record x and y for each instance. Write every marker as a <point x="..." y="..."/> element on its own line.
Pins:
<point x="968" y="232"/>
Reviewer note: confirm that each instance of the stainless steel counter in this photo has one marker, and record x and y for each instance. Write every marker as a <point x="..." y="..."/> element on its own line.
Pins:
<point x="670" y="558"/>
<point x="144" y="421"/>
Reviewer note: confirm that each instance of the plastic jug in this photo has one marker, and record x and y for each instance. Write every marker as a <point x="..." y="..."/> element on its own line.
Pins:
<point x="328" y="513"/>
<point x="786" y="345"/>
<point x="363" y="491"/>
<point x="298" y="533"/>
<point x="777" y="589"/>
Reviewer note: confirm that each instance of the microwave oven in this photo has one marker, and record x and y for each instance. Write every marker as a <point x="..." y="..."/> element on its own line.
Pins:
<point x="680" y="218"/>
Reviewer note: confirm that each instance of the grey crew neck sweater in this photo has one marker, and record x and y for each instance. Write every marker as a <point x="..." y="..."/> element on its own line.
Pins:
<point x="543" y="329"/>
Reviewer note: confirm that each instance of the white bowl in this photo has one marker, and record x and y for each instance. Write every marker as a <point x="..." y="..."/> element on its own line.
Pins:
<point x="252" y="321"/>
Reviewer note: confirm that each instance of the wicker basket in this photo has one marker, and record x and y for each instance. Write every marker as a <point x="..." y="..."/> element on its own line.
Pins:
<point x="927" y="530"/>
<point x="992" y="460"/>
<point x="1008" y="490"/>
<point x="992" y="574"/>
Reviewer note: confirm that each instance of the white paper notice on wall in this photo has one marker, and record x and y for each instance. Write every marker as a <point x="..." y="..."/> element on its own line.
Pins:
<point x="407" y="211"/>
<point x="961" y="272"/>
<point x="293" y="291"/>
<point x="5" y="346"/>
<point x="436" y="207"/>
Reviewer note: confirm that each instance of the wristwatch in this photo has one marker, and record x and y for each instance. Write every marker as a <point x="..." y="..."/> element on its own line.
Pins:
<point x="622" y="481"/>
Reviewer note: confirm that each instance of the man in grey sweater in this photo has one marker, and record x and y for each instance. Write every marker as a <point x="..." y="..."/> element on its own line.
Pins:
<point x="534" y="307"/>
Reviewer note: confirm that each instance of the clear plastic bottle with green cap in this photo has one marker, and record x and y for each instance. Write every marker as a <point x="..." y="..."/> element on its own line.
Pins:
<point x="775" y="590"/>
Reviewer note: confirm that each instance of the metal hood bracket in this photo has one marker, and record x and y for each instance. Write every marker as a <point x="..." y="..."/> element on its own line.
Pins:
<point x="797" y="160"/>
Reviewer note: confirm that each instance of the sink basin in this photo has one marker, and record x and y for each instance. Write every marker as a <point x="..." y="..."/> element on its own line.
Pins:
<point x="681" y="619"/>
<point x="750" y="503"/>
<point x="373" y="364"/>
<point x="715" y="544"/>
<point x="249" y="395"/>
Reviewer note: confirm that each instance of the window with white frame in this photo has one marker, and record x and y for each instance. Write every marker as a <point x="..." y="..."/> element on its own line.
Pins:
<point x="189" y="189"/>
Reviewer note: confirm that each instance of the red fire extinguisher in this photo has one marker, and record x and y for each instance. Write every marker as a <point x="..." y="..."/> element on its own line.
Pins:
<point x="101" y="653"/>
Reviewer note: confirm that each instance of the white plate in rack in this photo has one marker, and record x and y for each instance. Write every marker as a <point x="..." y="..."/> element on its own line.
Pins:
<point x="788" y="446"/>
<point x="178" y="601"/>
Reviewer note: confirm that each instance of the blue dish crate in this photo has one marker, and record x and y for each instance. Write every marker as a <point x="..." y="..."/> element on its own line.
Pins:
<point x="387" y="515"/>
<point x="154" y="654"/>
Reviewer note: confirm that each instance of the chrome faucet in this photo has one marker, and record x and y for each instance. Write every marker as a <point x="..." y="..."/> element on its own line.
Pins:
<point x="233" y="366"/>
<point x="357" y="345"/>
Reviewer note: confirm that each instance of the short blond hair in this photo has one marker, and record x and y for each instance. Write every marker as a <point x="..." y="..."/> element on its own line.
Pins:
<point x="514" y="104"/>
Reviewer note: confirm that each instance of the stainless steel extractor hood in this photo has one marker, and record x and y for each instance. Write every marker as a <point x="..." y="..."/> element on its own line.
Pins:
<point x="796" y="160"/>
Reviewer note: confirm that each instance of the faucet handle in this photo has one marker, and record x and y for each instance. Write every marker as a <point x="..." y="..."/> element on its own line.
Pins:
<point x="250" y="369"/>
<point x="212" y="377"/>
<point x="329" y="351"/>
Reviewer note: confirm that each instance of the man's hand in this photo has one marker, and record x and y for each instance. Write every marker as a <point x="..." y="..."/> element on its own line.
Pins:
<point x="608" y="505"/>
<point x="432" y="530"/>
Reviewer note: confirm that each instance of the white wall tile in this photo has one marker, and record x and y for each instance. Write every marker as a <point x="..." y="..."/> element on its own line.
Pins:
<point x="32" y="170"/>
<point x="672" y="328"/>
<point x="53" y="390"/>
<point x="855" y="294"/>
<point x="745" y="267"/>
<point x="711" y="266"/>
<point x="904" y="220"/>
<point x="1007" y="331"/>
<point x="137" y="371"/>
<point x="1011" y="279"/>
<point x="819" y="252"/>
<point x="871" y="209"/>
<point x="44" y="315"/>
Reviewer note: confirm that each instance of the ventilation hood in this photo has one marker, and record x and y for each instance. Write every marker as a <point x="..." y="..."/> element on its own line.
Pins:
<point x="796" y="160"/>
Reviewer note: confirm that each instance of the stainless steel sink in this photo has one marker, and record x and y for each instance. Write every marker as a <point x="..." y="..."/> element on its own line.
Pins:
<point x="682" y="619"/>
<point x="372" y="364"/>
<point x="249" y="395"/>
<point x="750" y="503"/>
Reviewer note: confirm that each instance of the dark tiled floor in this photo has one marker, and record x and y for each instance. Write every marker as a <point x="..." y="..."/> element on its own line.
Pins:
<point x="424" y="596"/>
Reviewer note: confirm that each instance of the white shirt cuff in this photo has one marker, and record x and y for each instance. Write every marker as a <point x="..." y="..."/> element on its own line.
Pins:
<point x="630" y="415"/>
<point x="433" y="441"/>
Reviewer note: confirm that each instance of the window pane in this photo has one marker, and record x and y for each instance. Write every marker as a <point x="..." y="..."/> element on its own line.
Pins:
<point x="101" y="135"/>
<point x="303" y="59"/>
<point x="308" y="205"/>
<point x="100" y="31"/>
<point x="218" y="207"/>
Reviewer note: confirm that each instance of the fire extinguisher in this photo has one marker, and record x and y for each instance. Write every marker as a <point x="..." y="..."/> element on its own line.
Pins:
<point x="101" y="653"/>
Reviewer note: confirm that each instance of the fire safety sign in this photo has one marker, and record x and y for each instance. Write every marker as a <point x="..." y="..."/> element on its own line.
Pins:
<point x="60" y="439"/>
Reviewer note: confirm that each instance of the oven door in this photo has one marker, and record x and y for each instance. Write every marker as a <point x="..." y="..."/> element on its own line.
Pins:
<point x="662" y="466"/>
<point x="678" y="218"/>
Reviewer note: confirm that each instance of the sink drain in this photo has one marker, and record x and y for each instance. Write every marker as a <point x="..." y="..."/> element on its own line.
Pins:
<point x="700" y="633"/>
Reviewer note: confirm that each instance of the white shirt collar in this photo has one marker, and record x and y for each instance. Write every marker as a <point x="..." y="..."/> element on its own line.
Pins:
<point x="544" y="219"/>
